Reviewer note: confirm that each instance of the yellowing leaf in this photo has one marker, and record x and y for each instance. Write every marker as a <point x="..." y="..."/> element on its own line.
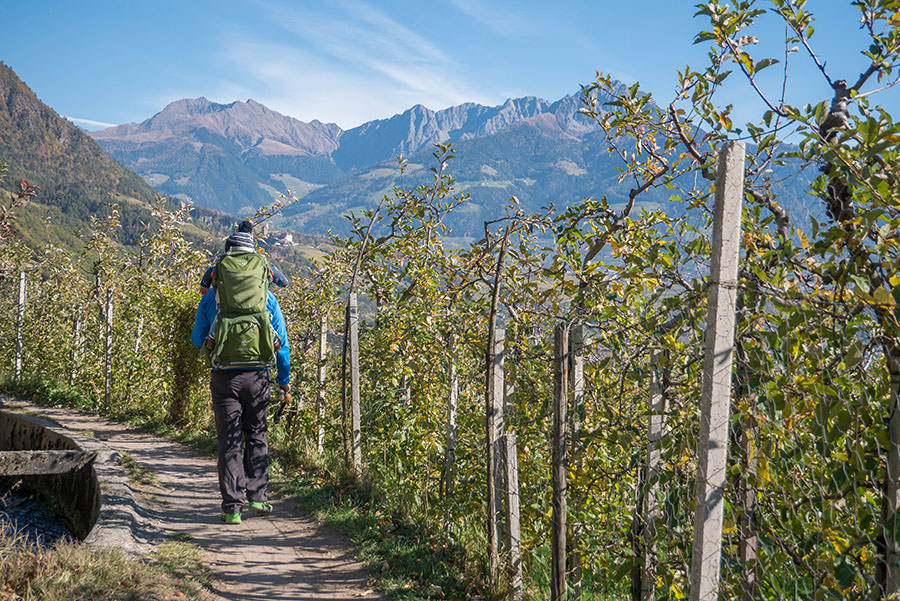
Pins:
<point x="883" y="296"/>
<point x="763" y="472"/>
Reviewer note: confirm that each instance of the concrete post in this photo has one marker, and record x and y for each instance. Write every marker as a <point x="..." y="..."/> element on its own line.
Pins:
<point x="494" y="428"/>
<point x="76" y="348"/>
<point x="576" y="386"/>
<point x="137" y="338"/>
<point x="889" y="572"/>
<point x="405" y="394"/>
<point x="356" y="438"/>
<point x="320" y="397"/>
<point x="655" y="424"/>
<point x="107" y="395"/>
<point x="717" y="366"/>
<point x="513" y="521"/>
<point x="448" y="475"/>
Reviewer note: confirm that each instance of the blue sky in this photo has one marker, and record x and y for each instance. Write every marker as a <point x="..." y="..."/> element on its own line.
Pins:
<point x="349" y="61"/>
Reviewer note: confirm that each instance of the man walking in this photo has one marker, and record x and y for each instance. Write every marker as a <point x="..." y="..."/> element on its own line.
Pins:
<point x="240" y="322"/>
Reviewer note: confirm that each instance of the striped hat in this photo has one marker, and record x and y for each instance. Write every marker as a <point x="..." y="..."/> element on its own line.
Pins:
<point x="241" y="240"/>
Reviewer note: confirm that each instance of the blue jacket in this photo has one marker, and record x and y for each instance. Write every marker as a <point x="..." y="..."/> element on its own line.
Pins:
<point x="206" y="314"/>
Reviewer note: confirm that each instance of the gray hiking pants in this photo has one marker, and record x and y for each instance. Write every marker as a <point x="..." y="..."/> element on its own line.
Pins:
<point x="239" y="400"/>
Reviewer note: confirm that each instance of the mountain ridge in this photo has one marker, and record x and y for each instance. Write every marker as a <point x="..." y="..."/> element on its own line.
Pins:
<point x="236" y="156"/>
<point x="249" y="124"/>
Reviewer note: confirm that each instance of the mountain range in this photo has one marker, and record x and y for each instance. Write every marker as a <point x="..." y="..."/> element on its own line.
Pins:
<point x="232" y="158"/>
<point x="235" y="157"/>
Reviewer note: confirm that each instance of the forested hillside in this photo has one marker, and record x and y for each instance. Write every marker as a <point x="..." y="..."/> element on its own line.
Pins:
<point x="75" y="175"/>
<point x="77" y="181"/>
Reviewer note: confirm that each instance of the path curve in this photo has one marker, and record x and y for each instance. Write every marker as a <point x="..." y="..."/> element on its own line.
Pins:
<point x="285" y="556"/>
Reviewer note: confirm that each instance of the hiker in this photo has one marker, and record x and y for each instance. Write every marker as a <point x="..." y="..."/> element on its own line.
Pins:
<point x="275" y="275"/>
<point x="240" y="323"/>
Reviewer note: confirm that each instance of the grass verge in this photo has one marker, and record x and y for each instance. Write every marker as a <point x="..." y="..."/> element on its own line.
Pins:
<point x="72" y="571"/>
<point x="408" y="562"/>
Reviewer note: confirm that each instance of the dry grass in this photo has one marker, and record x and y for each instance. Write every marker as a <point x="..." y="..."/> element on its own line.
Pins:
<point x="137" y="473"/>
<point x="75" y="572"/>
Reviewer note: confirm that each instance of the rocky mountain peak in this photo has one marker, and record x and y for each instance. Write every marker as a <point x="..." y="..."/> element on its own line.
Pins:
<point x="250" y="126"/>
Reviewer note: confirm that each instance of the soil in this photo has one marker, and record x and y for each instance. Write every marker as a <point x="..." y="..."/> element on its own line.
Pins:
<point x="278" y="557"/>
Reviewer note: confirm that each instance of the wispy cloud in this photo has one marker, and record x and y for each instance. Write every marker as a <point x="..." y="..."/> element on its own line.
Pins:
<point x="90" y="123"/>
<point x="504" y="23"/>
<point x="348" y="66"/>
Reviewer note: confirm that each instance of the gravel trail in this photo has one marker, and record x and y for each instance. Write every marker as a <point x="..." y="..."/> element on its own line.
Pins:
<point x="279" y="557"/>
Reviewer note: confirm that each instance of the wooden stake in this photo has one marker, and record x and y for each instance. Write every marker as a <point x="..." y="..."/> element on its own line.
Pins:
<point x="716" y="395"/>
<point x="558" y="588"/>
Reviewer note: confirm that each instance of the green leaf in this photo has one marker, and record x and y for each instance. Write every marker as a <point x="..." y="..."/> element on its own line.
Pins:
<point x="854" y="354"/>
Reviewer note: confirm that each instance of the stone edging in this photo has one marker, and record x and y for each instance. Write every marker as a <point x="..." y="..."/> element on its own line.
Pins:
<point x="97" y="504"/>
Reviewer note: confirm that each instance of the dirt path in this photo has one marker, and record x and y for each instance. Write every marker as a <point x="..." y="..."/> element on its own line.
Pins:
<point x="279" y="557"/>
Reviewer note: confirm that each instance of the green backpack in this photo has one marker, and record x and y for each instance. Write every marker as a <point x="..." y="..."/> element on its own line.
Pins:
<point x="243" y="337"/>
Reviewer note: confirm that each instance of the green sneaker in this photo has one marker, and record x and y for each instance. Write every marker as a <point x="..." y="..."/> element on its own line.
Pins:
<point x="231" y="518"/>
<point x="259" y="507"/>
